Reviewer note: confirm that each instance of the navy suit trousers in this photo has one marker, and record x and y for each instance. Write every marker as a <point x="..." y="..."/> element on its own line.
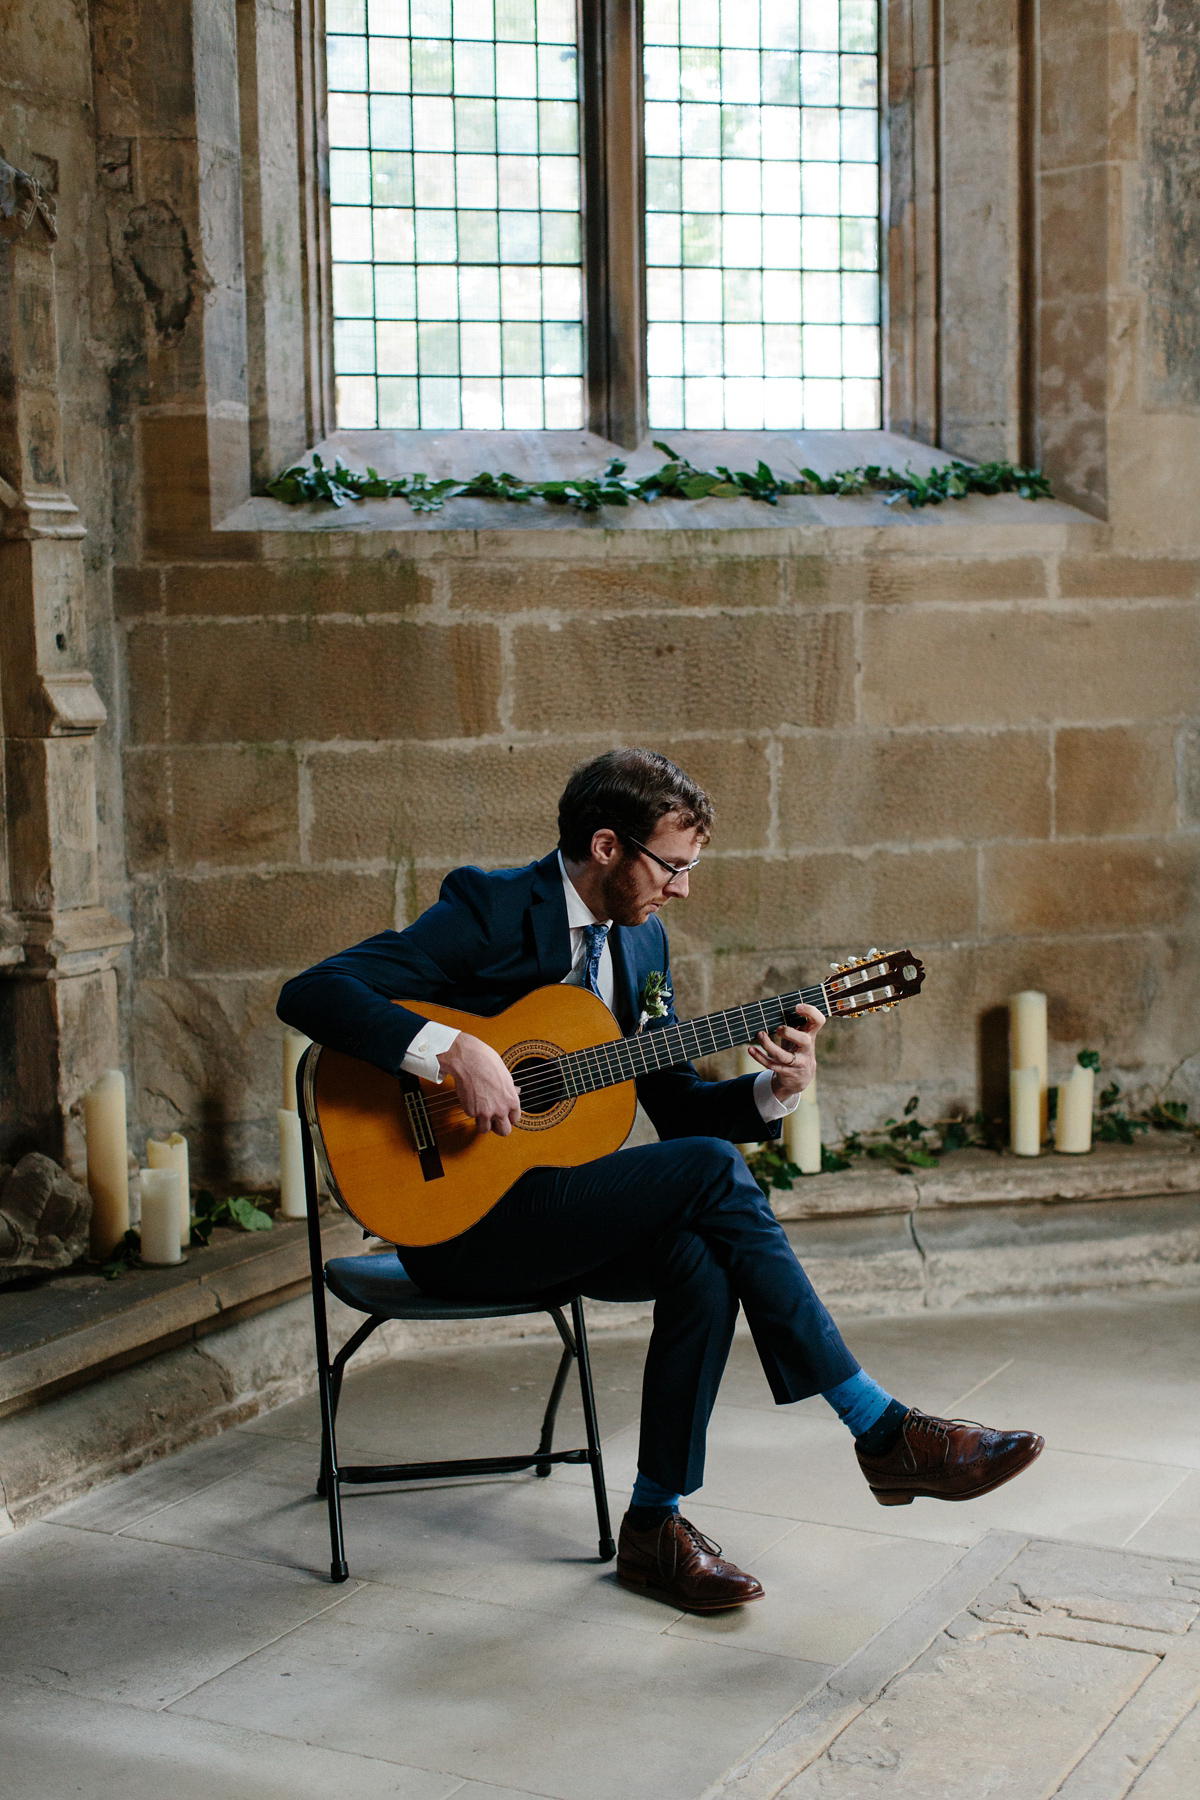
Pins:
<point x="681" y="1223"/>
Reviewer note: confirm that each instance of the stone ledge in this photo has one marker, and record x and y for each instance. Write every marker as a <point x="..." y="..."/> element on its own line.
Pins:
<point x="1164" y="1164"/>
<point x="890" y="1263"/>
<point x="54" y="1332"/>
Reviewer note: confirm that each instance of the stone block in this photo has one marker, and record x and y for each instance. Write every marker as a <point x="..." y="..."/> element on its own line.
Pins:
<point x="51" y="809"/>
<point x="1000" y="667"/>
<point x="314" y="679"/>
<point x="871" y="1188"/>
<point x="1128" y="578"/>
<point x="368" y="585"/>
<point x="1073" y="200"/>
<point x="886" y="898"/>
<point x="1190" y="768"/>
<point x="147" y="809"/>
<point x="895" y="580"/>
<point x="208" y="1052"/>
<point x="1154" y="1167"/>
<point x="240" y="924"/>
<point x="988" y="1255"/>
<point x="190" y="463"/>
<point x="1088" y="886"/>
<point x="855" y="789"/>
<point x="482" y="586"/>
<point x="136" y="591"/>
<point x="1126" y="996"/>
<point x="492" y="805"/>
<point x="498" y="805"/>
<point x="146" y="684"/>
<point x="632" y="677"/>
<point x="1114" y="781"/>
<point x="233" y="806"/>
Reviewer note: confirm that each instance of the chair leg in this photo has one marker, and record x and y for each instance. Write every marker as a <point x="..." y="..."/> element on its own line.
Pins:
<point x="546" y="1443"/>
<point x="338" y="1569"/>
<point x="608" y="1548"/>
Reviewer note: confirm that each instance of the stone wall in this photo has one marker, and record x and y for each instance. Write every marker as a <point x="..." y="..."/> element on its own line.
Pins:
<point x="978" y="752"/>
<point x="973" y="730"/>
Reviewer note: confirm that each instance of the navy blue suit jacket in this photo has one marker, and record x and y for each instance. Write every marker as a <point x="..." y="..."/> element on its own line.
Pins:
<point x="490" y="938"/>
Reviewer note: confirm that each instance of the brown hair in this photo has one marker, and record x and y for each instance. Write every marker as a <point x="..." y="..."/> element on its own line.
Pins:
<point x="628" y="791"/>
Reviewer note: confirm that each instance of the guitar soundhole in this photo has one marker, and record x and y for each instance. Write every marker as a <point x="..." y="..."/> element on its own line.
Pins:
<point x="540" y="1084"/>
<point x="534" y="1067"/>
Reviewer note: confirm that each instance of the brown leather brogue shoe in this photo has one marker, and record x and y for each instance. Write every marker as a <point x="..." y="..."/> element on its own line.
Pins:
<point x="678" y="1563"/>
<point x="947" y="1459"/>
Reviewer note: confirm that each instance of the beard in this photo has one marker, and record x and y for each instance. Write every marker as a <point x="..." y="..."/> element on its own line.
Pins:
<point x="622" y="900"/>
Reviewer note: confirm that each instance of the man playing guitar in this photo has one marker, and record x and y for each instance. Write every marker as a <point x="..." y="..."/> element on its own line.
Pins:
<point x="682" y="1221"/>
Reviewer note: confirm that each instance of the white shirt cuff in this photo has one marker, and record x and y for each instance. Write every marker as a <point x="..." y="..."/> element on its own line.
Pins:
<point x="421" y="1057"/>
<point x="770" y="1107"/>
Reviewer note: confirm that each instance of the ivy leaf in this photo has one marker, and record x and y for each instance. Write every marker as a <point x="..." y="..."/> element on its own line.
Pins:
<point x="922" y="1158"/>
<point x="1088" y="1059"/>
<point x="249" y="1216"/>
<point x="123" y="1257"/>
<point x="912" y="1105"/>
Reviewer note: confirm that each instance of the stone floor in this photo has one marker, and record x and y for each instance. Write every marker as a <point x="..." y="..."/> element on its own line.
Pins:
<point x="175" y="1629"/>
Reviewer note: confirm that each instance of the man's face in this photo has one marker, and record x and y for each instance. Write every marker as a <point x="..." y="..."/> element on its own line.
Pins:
<point x="636" y="886"/>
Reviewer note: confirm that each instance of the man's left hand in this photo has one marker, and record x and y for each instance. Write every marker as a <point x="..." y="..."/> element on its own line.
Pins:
<point x="793" y="1060"/>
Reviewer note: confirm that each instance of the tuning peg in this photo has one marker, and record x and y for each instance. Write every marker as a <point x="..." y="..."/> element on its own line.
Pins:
<point x="871" y="954"/>
<point x="836" y="967"/>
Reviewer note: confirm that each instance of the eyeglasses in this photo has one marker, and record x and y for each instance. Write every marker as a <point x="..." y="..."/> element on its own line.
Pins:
<point x="674" y="870"/>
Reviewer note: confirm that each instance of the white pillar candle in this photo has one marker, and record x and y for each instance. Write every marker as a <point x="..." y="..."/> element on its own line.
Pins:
<point x="748" y="1066"/>
<point x="162" y="1206"/>
<point x="1025" y="1130"/>
<point x="294" y="1045"/>
<point x="1073" y="1124"/>
<point x="1027" y="1046"/>
<point x="107" y="1162"/>
<point x="292" y="1204"/>
<point x="802" y="1132"/>
<point x="172" y="1153"/>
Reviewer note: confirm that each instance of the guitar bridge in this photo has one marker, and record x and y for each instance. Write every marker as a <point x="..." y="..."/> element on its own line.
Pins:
<point x="421" y="1127"/>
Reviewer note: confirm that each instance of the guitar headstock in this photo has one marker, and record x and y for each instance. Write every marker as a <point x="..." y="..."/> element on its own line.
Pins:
<point x="872" y="983"/>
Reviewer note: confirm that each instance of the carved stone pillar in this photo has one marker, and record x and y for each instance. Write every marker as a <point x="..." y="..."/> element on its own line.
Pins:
<point x="58" y="1005"/>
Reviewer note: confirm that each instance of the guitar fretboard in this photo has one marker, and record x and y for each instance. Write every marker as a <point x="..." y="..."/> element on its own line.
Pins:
<point x="603" y="1065"/>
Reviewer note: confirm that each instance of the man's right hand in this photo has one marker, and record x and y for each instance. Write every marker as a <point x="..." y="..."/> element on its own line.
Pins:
<point x="484" y="1086"/>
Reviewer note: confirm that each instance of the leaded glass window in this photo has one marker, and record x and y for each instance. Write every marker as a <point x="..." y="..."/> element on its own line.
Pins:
<point x="454" y="181"/>
<point x="762" y="214"/>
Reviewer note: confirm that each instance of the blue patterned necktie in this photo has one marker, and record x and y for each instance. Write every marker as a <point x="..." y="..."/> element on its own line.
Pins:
<point x="594" y="936"/>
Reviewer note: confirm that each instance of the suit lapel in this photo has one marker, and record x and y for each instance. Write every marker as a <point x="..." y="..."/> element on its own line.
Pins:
<point x="548" y="919"/>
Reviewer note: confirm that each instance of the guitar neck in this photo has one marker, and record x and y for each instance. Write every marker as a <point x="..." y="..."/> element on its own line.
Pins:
<point x="624" y="1059"/>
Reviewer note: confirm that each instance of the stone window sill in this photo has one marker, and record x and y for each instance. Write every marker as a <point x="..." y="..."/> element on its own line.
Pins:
<point x="545" y="456"/>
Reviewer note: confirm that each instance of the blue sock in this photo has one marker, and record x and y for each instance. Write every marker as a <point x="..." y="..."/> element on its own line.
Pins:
<point x="650" y="1503"/>
<point x="868" y="1411"/>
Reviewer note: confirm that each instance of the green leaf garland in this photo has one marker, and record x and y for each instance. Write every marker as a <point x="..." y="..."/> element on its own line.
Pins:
<point x="675" y="480"/>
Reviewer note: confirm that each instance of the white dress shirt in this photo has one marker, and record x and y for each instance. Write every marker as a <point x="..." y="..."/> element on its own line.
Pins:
<point x="421" y="1057"/>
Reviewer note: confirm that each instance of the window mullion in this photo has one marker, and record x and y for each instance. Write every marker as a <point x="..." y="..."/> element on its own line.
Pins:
<point x="610" y="36"/>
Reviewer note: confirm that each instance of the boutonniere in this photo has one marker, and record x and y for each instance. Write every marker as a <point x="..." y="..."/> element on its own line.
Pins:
<point x="655" y="998"/>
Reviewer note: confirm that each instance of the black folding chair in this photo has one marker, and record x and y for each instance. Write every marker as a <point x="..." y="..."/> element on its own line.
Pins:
<point x="378" y="1286"/>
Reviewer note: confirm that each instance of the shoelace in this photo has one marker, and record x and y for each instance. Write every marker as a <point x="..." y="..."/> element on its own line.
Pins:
<point x="923" y="1424"/>
<point x="683" y="1526"/>
<point x="936" y="1427"/>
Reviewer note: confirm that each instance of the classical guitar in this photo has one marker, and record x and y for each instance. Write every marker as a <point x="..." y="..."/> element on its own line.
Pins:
<point x="404" y="1159"/>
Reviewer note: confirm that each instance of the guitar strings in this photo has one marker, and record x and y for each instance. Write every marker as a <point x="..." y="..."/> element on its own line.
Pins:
<point x="552" y="1082"/>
